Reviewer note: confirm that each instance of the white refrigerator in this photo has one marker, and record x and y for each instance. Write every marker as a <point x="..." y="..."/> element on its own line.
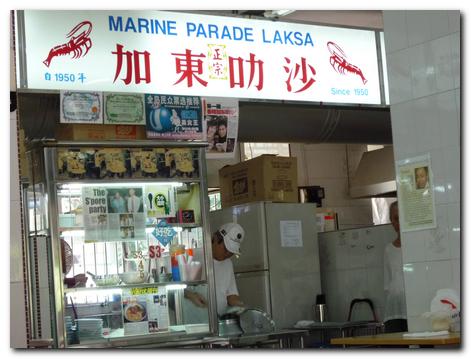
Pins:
<point x="278" y="270"/>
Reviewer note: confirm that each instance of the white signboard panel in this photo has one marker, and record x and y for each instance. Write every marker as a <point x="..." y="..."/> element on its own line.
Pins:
<point x="197" y="55"/>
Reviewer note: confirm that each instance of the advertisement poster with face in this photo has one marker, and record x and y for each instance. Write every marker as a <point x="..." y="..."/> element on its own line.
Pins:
<point x="221" y="125"/>
<point x="416" y="195"/>
<point x="172" y="117"/>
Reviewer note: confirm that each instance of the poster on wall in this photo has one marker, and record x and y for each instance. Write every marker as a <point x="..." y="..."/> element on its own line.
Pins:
<point x="172" y="117"/>
<point x="124" y="109"/>
<point x="160" y="201"/>
<point x="81" y="107"/>
<point x="95" y="214"/>
<point x="415" y="191"/>
<point x="145" y="310"/>
<point x="221" y="125"/>
<point x="113" y="214"/>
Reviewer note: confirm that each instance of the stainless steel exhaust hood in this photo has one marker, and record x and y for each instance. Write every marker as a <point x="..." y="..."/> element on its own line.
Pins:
<point x="375" y="175"/>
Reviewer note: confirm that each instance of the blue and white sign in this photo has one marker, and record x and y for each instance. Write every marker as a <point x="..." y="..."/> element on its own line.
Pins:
<point x="163" y="232"/>
<point x="157" y="52"/>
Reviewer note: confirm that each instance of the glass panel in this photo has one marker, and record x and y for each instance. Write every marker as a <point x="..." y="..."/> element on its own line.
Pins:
<point x="129" y="250"/>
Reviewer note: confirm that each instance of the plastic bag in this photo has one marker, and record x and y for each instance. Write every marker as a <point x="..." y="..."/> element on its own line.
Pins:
<point x="445" y="311"/>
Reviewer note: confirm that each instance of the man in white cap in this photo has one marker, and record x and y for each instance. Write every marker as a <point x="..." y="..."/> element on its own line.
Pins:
<point x="225" y="243"/>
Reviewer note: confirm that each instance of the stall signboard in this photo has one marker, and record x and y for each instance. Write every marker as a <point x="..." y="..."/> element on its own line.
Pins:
<point x="197" y="55"/>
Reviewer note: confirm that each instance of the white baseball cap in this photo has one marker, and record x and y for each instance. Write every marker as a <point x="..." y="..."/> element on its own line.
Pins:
<point x="233" y="235"/>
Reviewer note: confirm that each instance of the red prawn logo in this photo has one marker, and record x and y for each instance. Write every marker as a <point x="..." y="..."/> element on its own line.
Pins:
<point x="75" y="45"/>
<point x="339" y="62"/>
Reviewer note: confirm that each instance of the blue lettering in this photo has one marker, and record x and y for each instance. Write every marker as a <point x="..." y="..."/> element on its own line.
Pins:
<point x="238" y="33"/>
<point x="288" y="37"/>
<point x="213" y="29"/>
<point x="129" y="25"/>
<point x="159" y="27"/>
<point x="298" y="37"/>
<point x="115" y="26"/>
<point x="337" y="91"/>
<point x="225" y="33"/>
<point x="190" y="27"/>
<point x="171" y="28"/>
<point x="200" y="31"/>
<point x="143" y="23"/>
<point x="263" y="37"/>
<point x="277" y="37"/>
<point x="248" y="34"/>
<point x="308" y="40"/>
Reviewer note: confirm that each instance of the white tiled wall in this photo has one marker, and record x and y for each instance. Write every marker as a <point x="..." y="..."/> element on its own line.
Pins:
<point x="351" y="263"/>
<point x="325" y="165"/>
<point x="423" y="53"/>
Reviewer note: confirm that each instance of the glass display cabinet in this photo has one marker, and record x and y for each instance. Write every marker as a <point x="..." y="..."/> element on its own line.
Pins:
<point x="117" y="231"/>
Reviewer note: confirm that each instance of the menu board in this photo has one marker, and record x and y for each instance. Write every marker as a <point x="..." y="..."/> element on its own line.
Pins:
<point x="145" y="310"/>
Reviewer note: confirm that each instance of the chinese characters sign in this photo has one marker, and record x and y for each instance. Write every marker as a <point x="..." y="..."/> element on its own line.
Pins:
<point x="196" y="55"/>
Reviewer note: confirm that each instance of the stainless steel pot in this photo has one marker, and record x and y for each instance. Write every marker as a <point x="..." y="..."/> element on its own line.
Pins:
<point x="229" y="327"/>
<point x="255" y="321"/>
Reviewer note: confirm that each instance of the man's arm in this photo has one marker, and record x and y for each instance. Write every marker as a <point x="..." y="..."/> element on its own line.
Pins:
<point x="196" y="298"/>
<point x="234" y="301"/>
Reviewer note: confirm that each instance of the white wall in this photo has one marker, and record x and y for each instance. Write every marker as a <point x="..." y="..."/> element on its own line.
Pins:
<point x="423" y="58"/>
<point x="352" y="267"/>
<point x="331" y="166"/>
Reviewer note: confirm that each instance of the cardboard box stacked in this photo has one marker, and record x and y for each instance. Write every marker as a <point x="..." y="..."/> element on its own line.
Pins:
<point x="264" y="178"/>
<point x="81" y="132"/>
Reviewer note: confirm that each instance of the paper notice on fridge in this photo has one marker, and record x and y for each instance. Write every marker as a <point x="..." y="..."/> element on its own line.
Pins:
<point x="291" y="234"/>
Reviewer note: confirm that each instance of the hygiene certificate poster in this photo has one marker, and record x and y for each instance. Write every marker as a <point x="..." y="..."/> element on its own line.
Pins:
<point x="81" y="107"/>
<point x="415" y="192"/>
<point x="124" y="109"/>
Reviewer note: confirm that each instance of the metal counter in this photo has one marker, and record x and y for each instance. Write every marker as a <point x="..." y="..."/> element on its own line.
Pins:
<point x="282" y="339"/>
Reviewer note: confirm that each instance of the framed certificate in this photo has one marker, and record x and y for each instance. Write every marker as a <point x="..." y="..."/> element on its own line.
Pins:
<point x="124" y="109"/>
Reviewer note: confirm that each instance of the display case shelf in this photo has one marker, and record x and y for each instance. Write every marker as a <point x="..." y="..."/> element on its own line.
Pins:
<point x="182" y="225"/>
<point x="127" y="180"/>
<point x="92" y="227"/>
<point x="140" y="285"/>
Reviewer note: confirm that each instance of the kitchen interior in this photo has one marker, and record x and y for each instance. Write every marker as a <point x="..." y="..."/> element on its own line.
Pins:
<point x="346" y="183"/>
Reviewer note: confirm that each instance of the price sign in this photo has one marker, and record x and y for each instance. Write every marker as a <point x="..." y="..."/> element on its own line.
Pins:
<point x="143" y="291"/>
<point x="163" y="232"/>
